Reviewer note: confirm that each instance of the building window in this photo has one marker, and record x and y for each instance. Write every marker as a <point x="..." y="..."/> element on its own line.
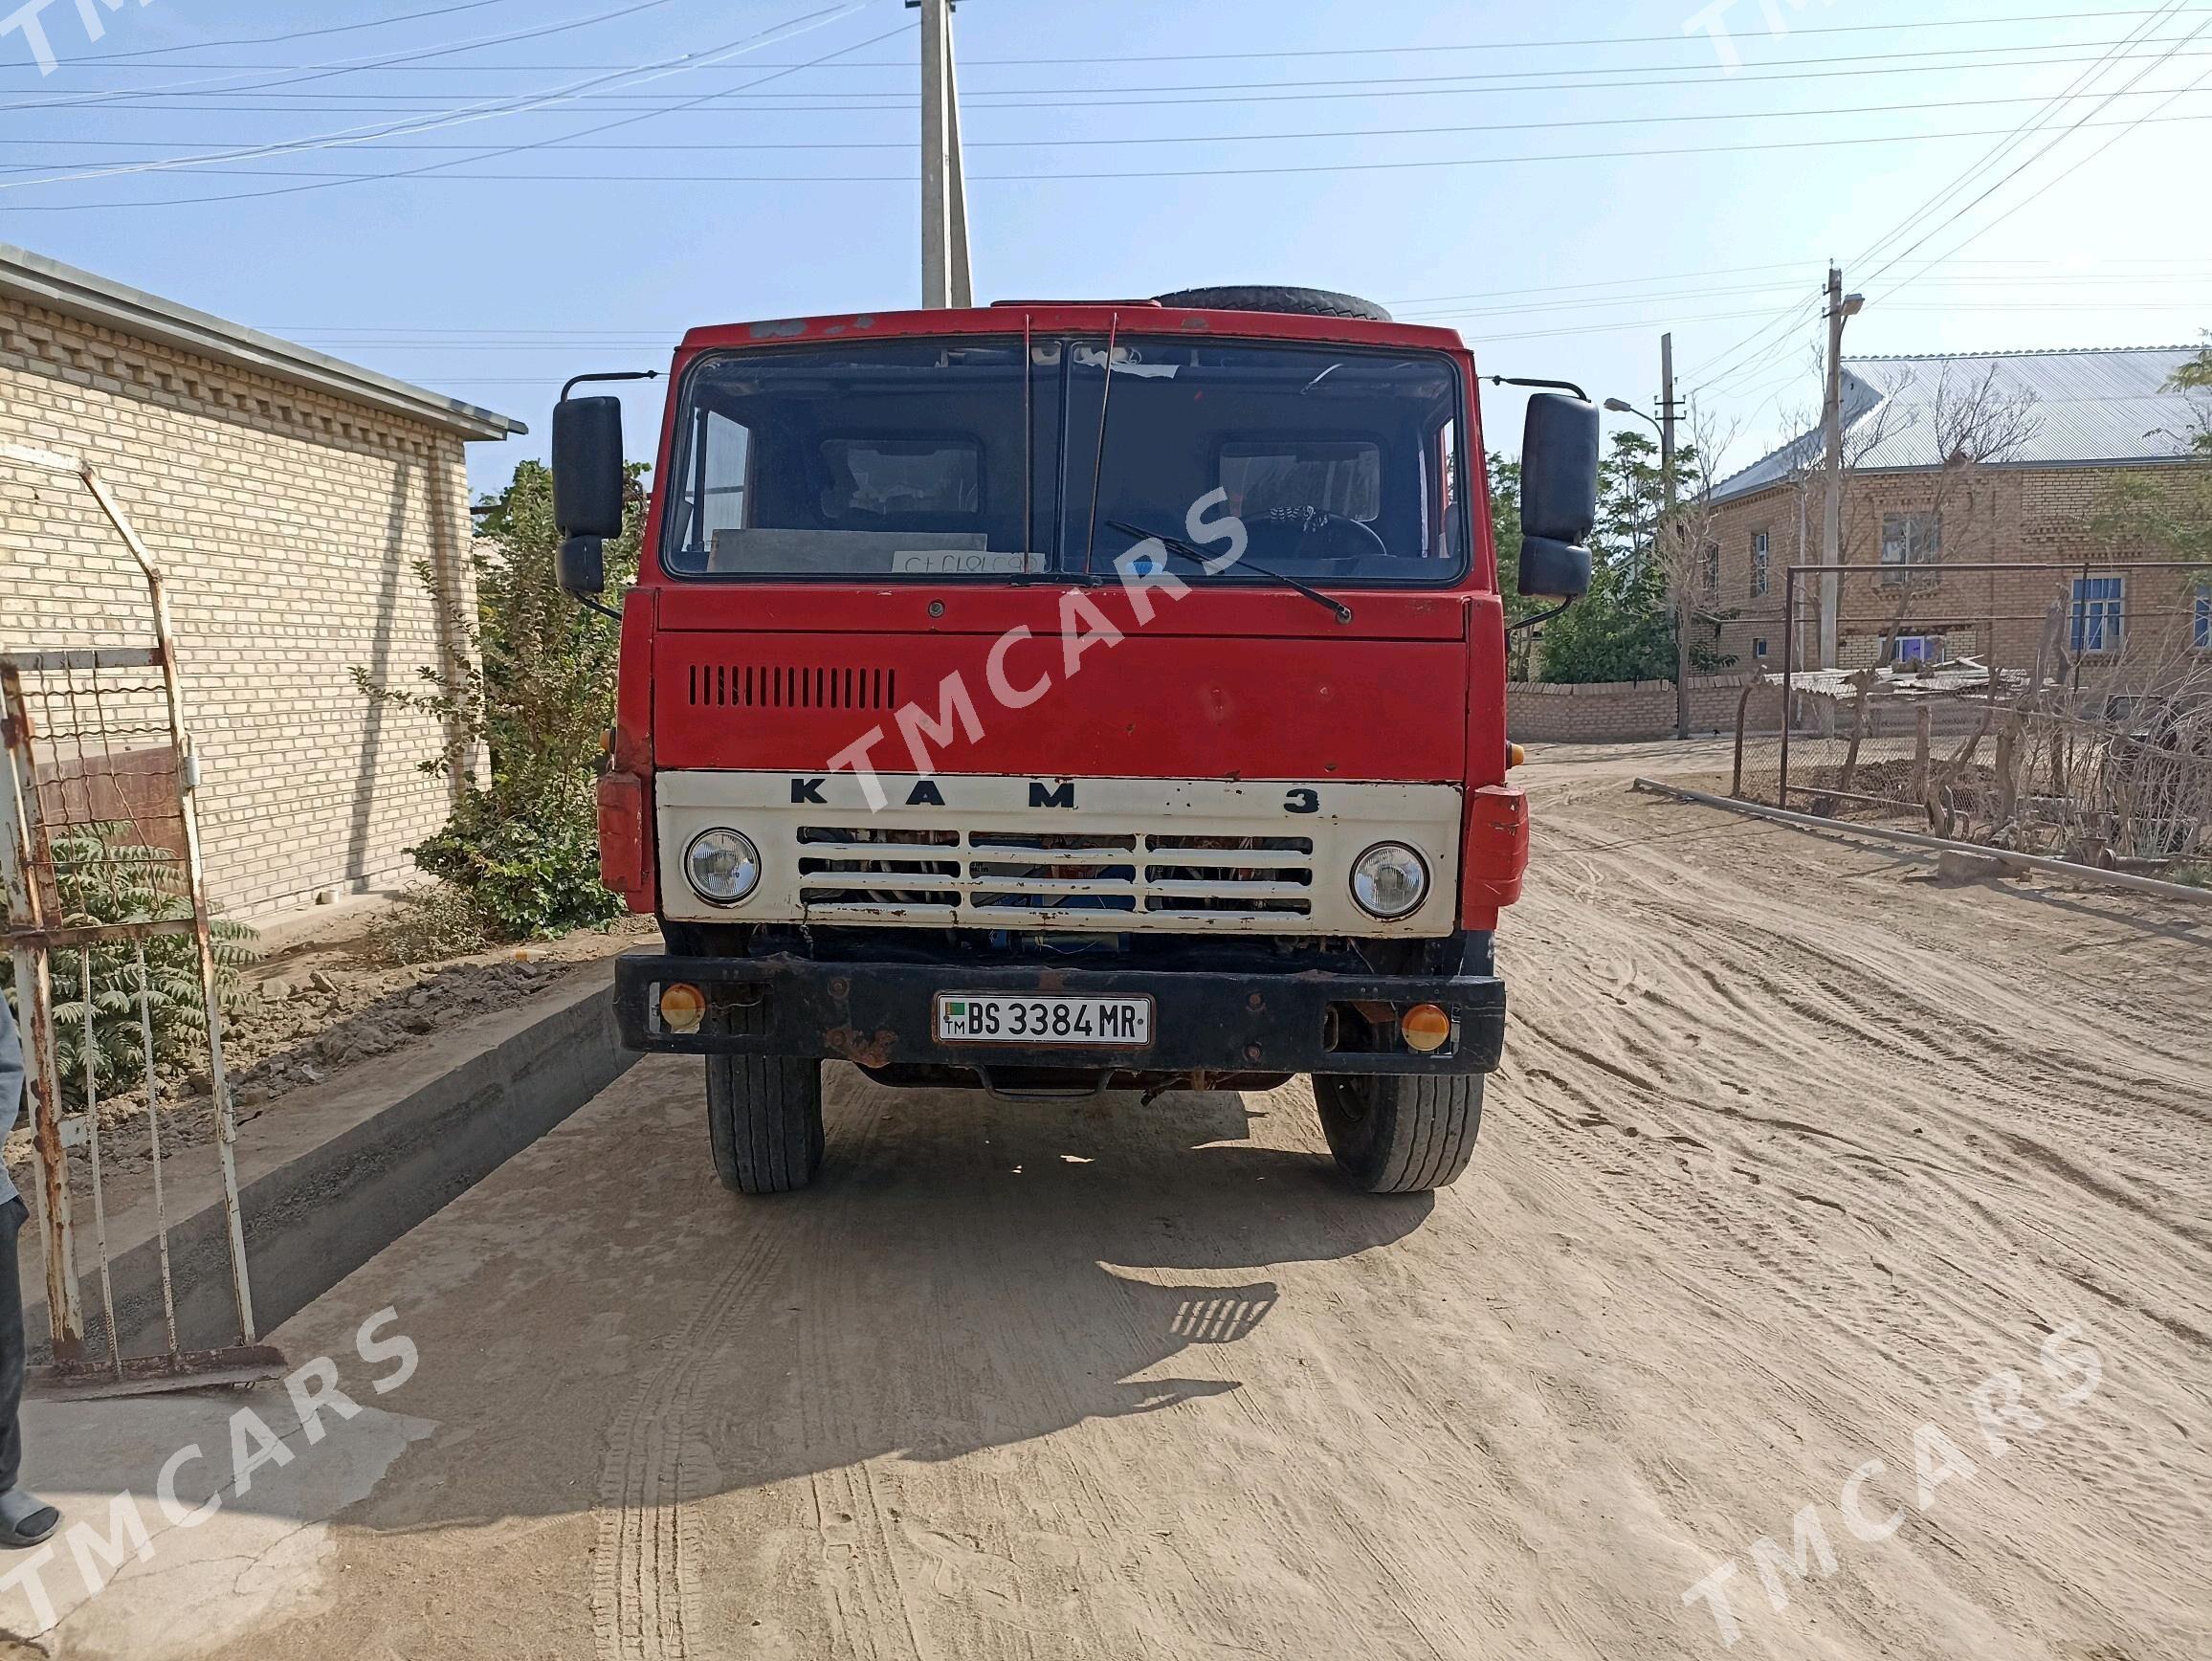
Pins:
<point x="1918" y="648"/>
<point x="1709" y="572"/>
<point x="2202" y="633"/>
<point x="1759" y="647"/>
<point x="2097" y="605"/>
<point x="1907" y="540"/>
<point x="1758" y="563"/>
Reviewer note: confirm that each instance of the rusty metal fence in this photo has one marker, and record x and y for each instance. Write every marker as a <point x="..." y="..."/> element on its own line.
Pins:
<point x="113" y="953"/>
<point x="2058" y="709"/>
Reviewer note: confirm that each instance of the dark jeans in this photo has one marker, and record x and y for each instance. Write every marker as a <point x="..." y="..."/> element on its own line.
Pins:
<point x="12" y="1215"/>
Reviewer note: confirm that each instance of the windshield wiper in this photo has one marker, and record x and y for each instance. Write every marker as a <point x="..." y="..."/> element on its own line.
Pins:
<point x="1176" y="545"/>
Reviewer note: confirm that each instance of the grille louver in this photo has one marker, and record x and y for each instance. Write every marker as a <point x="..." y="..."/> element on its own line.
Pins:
<point x="792" y="686"/>
<point x="1009" y="878"/>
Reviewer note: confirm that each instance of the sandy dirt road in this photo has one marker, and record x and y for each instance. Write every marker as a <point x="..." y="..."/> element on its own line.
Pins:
<point x="1793" y="1150"/>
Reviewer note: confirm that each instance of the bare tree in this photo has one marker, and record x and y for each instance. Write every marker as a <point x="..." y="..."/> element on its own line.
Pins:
<point x="1688" y="554"/>
<point x="1975" y="421"/>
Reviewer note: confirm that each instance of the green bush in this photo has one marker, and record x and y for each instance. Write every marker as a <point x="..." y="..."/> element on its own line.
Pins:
<point x="536" y="701"/>
<point x="527" y="875"/>
<point x="102" y="877"/>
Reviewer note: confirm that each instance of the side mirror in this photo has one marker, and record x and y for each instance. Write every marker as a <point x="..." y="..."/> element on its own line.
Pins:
<point x="1559" y="494"/>
<point x="1554" y="570"/>
<point x="587" y="468"/>
<point x="581" y="566"/>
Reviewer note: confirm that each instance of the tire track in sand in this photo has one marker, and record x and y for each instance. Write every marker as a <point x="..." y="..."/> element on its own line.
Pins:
<point x="644" y="1601"/>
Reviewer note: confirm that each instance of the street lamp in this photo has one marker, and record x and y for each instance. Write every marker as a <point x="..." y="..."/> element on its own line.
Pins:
<point x="1621" y="407"/>
<point x="1678" y="580"/>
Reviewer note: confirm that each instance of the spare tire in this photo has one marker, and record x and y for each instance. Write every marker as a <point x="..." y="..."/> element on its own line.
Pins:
<point x="1313" y="302"/>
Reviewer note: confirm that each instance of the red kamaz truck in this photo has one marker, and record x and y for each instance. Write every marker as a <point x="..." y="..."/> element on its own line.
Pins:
<point x="1061" y="697"/>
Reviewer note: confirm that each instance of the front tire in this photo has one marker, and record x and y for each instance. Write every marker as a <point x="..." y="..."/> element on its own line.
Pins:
<point x="1400" y="1133"/>
<point x="765" y="1121"/>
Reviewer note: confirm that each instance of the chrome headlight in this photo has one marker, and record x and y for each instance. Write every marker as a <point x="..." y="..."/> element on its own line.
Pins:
<point x="1389" y="880"/>
<point x="723" y="866"/>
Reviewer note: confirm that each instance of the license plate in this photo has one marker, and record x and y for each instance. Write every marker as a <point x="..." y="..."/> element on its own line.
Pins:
<point x="1005" y="1018"/>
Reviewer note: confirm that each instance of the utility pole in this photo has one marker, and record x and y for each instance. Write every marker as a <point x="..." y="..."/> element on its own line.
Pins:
<point x="1840" y="306"/>
<point x="944" y="240"/>
<point x="1676" y="558"/>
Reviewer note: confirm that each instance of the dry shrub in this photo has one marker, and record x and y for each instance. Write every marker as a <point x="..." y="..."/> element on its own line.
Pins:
<point x="428" y="925"/>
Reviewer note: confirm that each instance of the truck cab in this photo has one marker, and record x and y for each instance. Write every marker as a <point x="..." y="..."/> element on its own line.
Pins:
<point x="1060" y="697"/>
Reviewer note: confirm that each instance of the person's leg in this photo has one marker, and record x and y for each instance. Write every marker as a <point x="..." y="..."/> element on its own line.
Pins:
<point x="11" y="1218"/>
<point x="25" y="1519"/>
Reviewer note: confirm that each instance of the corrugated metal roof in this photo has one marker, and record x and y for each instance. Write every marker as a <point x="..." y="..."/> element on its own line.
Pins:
<point x="2079" y="408"/>
<point x="81" y="293"/>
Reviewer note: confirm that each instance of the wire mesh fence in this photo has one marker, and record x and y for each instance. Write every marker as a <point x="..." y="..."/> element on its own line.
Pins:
<point x="2064" y="710"/>
<point x="114" y="962"/>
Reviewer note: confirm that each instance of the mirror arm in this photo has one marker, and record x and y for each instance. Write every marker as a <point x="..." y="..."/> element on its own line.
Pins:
<point x="604" y="610"/>
<point x="1531" y="381"/>
<point x="575" y="381"/>
<point x="1539" y="617"/>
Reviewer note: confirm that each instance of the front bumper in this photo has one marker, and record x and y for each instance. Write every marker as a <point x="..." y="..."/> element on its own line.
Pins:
<point x="878" y="1014"/>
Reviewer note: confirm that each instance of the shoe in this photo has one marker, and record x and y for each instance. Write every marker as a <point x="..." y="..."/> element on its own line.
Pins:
<point x="25" y="1519"/>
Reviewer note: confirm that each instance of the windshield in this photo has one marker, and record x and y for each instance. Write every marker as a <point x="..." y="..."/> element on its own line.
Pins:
<point x="951" y="458"/>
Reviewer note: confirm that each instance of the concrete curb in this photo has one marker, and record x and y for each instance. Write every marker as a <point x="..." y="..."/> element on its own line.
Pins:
<point x="327" y="1183"/>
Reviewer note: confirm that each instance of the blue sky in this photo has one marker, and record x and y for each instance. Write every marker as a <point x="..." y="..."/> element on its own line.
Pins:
<point x="1284" y="129"/>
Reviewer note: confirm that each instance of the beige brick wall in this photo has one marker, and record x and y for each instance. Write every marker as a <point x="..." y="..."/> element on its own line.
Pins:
<point x="2000" y="514"/>
<point x="296" y="528"/>
<point x="1595" y="712"/>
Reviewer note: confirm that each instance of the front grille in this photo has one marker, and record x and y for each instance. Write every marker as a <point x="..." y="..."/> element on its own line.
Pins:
<point x="792" y="686"/>
<point x="1009" y="878"/>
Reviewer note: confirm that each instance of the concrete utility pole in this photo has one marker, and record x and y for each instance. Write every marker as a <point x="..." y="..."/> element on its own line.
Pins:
<point x="1677" y="559"/>
<point x="1840" y="306"/>
<point x="944" y="239"/>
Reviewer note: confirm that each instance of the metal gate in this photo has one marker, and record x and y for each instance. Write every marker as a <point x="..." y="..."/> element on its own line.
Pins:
<point x="101" y="857"/>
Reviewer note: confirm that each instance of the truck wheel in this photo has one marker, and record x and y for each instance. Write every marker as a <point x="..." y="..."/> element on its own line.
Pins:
<point x="1312" y="302"/>
<point x="1400" y="1133"/>
<point x="764" y="1120"/>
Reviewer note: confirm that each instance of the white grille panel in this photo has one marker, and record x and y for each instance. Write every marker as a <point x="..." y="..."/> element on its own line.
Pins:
<point x="1106" y="854"/>
<point x="994" y="879"/>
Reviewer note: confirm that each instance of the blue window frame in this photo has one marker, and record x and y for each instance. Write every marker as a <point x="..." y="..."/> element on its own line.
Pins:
<point x="2097" y="605"/>
<point x="2202" y="635"/>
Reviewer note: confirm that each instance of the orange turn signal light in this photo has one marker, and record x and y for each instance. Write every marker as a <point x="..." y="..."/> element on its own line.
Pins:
<point x="682" y="1007"/>
<point x="1514" y="755"/>
<point x="1425" y="1028"/>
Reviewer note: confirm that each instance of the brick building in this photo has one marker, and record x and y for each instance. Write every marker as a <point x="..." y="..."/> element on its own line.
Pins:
<point x="2016" y="458"/>
<point x="304" y="508"/>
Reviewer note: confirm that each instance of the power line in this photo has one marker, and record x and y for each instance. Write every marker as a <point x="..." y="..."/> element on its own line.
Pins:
<point x="440" y="169"/>
<point x="2079" y="86"/>
<point x="226" y="85"/>
<point x="478" y="112"/>
<point x="1758" y="361"/>
<point x="372" y="333"/>
<point x="2135" y="285"/>
<point x="118" y="59"/>
<point x="1956" y="215"/>
<point x="447" y="338"/>
<point x="1123" y="138"/>
<point x="2044" y="187"/>
<point x="1252" y="91"/>
<point x="1748" y="356"/>
<point x="1472" y="325"/>
<point x="445" y="169"/>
